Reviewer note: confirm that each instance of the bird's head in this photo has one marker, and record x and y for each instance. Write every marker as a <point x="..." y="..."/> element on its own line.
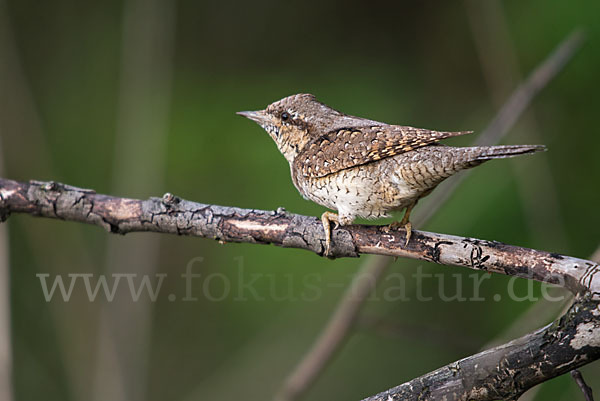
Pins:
<point x="293" y="121"/>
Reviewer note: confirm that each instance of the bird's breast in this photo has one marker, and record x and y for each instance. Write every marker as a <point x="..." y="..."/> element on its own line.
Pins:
<point x="367" y="191"/>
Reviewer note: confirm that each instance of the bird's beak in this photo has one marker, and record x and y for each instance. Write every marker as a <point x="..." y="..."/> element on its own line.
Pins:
<point x="259" y="116"/>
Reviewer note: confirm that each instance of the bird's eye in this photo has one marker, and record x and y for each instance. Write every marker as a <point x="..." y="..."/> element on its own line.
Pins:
<point x="285" y="116"/>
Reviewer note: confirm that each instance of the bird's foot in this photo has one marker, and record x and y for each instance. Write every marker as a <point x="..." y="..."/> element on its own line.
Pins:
<point x="400" y="224"/>
<point x="326" y="219"/>
<point x="408" y="228"/>
<point x="393" y="226"/>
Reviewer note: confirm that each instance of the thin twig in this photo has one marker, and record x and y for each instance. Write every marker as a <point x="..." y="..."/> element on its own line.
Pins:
<point x="500" y="66"/>
<point x="538" y="80"/>
<point x="585" y="389"/>
<point x="334" y="333"/>
<point x="510" y="113"/>
<point x="318" y="356"/>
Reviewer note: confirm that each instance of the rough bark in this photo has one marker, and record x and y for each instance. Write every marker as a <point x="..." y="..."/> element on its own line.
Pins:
<point x="507" y="371"/>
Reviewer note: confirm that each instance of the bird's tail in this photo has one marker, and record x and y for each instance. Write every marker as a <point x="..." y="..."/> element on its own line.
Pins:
<point x="463" y="158"/>
<point x="483" y="153"/>
<point x="428" y="166"/>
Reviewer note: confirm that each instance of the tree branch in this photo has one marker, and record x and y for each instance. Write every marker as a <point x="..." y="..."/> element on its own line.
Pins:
<point x="507" y="371"/>
<point x="173" y="215"/>
<point x="585" y="389"/>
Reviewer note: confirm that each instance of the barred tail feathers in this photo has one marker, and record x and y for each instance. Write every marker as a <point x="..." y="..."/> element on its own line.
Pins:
<point x="483" y="153"/>
<point x="464" y="158"/>
<point x="426" y="167"/>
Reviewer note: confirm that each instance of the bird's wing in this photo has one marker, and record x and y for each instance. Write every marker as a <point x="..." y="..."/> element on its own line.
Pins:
<point x="350" y="147"/>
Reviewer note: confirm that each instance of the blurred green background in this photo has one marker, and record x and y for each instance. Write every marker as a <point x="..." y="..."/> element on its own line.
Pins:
<point x="136" y="98"/>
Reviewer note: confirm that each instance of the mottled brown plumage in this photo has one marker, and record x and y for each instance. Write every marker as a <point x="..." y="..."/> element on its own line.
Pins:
<point x="347" y="148"/>
<point x="364" y="168"/>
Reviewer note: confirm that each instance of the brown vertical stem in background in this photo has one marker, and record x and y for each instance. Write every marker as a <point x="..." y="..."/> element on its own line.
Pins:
<point x="21" y="127"/>
<point x="335" y="332"/>
<point x="6" y="387"/>
<point x="139" y="168"/>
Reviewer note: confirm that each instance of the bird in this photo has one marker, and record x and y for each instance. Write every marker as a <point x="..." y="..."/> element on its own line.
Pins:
<point x="365" y="168"/>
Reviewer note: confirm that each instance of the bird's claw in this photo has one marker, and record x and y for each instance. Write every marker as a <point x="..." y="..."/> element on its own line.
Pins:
<point x="326" y="219"/>
<point x="408" y="228"/>
<point x="396" y="225"/>
<point x="391" y="227"/>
